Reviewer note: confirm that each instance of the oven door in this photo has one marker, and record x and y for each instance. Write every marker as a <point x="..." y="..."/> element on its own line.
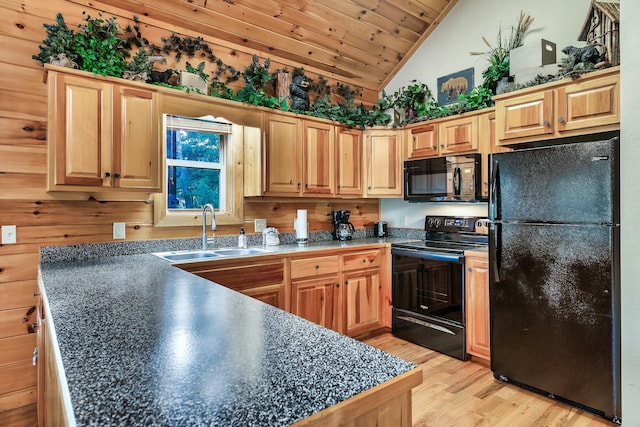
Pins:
<point x="428" y="300"/>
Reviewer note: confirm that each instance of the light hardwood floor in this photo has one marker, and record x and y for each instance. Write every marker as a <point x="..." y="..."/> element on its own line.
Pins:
<point x="460" y="394"/>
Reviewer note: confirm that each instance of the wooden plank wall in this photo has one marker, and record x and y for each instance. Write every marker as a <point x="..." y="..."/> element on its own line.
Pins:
<point x="43" y="219"/>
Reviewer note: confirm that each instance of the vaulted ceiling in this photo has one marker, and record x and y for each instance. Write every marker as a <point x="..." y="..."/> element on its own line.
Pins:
<point x="359" y="41"/>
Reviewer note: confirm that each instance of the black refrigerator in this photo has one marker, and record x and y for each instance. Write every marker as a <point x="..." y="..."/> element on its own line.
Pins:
<point x="554" y="279"/>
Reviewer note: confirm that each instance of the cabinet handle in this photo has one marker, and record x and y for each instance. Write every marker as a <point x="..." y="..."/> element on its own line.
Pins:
<point x="306" y="186"/>
<point x="546" y="122"/>
<point x="299" y="185"/>
<point x="32" y="328"/>
<point x="441" y="145"/>
<point x="337" y="285"/>
<point x="34" y="359"/>
<point x="317" y="266"/>
<point x="290" y="181"/>
<point x="469" y="270"/>
<point x="116" y="175"/>
<point x="364" y="260"/>
<point x="346" y="283"/>
<point x="107" y="174"/>
<point x="560" y="119"/>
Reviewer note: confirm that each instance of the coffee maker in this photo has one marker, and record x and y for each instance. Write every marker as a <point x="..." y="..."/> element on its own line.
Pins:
<point x="342" y="228"/>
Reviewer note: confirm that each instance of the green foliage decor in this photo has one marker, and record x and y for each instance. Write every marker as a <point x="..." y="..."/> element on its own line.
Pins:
<point x="498" y="55"/>
<point x="60" y="40"/>
<point x="99" y="47"/>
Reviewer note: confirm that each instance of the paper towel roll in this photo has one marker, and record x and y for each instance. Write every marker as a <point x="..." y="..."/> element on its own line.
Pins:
<point x="300" y="224"/>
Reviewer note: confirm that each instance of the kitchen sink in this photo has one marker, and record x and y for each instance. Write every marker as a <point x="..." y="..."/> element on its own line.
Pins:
<point x="240" y="251"/>
<point x="195" y="255"/>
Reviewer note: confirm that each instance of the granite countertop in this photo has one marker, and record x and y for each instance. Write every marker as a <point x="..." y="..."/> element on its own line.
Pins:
<point x="145" y="343"/>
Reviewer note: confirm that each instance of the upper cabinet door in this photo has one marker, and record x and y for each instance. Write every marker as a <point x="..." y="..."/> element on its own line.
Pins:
<point x="459" y="135"/>
<point x="424" y="141"/>
<point x="80" y="131"/>
<point x="136" y="141"/>
<point x="588" y="104"/>
<point x="349" y="162"/>
<point x="283" y="152"/>
<point x="383" y="159"/>
<point x="318" y="166"/>
<point x="526" y="115"/>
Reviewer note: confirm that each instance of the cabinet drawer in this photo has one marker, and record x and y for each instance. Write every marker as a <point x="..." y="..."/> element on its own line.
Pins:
<point x="17" y="322"/>
<point x="314" y="267"/>
<point x="19" y="267"/>
<point x="17" y="376"/>
<point x="243" y="277"/>
<point x="18" y="294"/>
<point x="361" y="260"/>
<point x="17" y="349"/>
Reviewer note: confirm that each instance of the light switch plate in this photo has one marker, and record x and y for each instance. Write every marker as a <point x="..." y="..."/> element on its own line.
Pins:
<point x="259" y="225"/>
<point x="8" y="234"/>
<point x="119" y="230"/>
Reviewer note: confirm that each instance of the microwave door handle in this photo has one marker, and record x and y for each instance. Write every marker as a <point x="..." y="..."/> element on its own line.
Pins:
<point x="457" y="179"/>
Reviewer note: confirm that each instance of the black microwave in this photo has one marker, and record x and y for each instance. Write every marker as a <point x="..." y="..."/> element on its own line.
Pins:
<point x="443" y="179"/>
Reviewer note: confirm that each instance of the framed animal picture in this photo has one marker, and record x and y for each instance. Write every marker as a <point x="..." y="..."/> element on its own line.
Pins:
<point x="451" y="86"/>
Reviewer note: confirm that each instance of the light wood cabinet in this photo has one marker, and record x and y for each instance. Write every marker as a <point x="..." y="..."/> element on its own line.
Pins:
<point x="315" y="286"/>
<point x="283" y="155"/>
<point x="318" y="158"/>
<point x="461" y="134"/>
<point x="362" y="289"/>
<point x="317" y="300"/>
<point x="300" y="157"/>
<point x="458" y="135"/>
<point x="258" y="278"/>
<point x="383" y="163"/>
<point x="348" y="162"/>
<point x="589" y="104"/>
<point x="477" y="305"/>
<point x="105" y="136"/>
<point x="423" y="141"/>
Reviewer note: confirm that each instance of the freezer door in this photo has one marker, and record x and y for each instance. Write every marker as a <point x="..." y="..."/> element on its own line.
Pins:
<point x="554" y="311"/>
<point x="570" y="183"/>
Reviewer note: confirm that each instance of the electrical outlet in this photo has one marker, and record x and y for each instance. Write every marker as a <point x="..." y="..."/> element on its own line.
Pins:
<point x="259" y="225"/>
<point x="8" y="234"/>
<point x="119" y="230"/>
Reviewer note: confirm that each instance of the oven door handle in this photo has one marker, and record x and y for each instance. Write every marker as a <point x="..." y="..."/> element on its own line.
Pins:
<point x="429" y="255"/>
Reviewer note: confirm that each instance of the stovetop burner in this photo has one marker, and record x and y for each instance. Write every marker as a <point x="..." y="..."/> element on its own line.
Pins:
<point x="451" y="234"/>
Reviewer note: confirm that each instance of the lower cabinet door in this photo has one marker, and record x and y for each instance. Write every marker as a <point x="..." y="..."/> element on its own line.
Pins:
<point x="362" y="301"/>
<point x="317" y="301"/>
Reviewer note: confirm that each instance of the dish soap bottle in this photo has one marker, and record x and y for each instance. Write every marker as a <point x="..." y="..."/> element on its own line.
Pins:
<point x="242" y="239"/>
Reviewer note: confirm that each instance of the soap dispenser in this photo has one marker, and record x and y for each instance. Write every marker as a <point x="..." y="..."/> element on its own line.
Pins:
<point x="242" y="239"/>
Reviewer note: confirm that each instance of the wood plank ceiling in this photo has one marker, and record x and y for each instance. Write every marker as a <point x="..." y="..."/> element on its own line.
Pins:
<point x="364" y="42"/>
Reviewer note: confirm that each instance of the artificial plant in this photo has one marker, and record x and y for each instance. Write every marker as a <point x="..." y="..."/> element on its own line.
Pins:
<point x="100" y="48"/>
<point x="60" y="40"/>
<point x="498" y="56"/>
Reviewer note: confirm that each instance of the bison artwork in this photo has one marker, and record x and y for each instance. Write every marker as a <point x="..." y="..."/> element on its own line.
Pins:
<point x="454" y="87"/>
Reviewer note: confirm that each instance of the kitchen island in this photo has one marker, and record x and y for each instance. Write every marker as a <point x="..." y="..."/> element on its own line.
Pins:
<point x="133" y="340"/>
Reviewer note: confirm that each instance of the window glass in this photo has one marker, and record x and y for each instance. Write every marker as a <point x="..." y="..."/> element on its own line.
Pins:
<point x="195" y="163"/>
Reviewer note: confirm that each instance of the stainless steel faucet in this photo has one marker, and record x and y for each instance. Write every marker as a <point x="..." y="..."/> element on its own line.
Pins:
<point x="205" y="240"/>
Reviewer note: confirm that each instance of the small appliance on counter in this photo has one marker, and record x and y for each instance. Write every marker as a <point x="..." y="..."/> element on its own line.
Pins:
<point x="301" y="226"/>
<point x="270" y="236"/>
<point x="342" y="228"/>
<point x="380" y="229"/>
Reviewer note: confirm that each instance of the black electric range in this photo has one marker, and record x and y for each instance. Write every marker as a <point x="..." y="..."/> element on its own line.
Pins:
<point x="428" y="283"/>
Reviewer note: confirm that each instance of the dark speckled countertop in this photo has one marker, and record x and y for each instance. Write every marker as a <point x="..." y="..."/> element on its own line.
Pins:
<point x="145" y="343"/>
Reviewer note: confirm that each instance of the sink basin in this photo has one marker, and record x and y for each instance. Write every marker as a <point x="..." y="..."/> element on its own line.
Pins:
<point x="195" y="255"/>
<point x="240" y="251"/>
<point x="186" y="255"/>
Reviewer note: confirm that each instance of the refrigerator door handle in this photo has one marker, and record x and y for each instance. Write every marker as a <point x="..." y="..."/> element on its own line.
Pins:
<point x="494" y="255"/>
<point x="493" y="192"/>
